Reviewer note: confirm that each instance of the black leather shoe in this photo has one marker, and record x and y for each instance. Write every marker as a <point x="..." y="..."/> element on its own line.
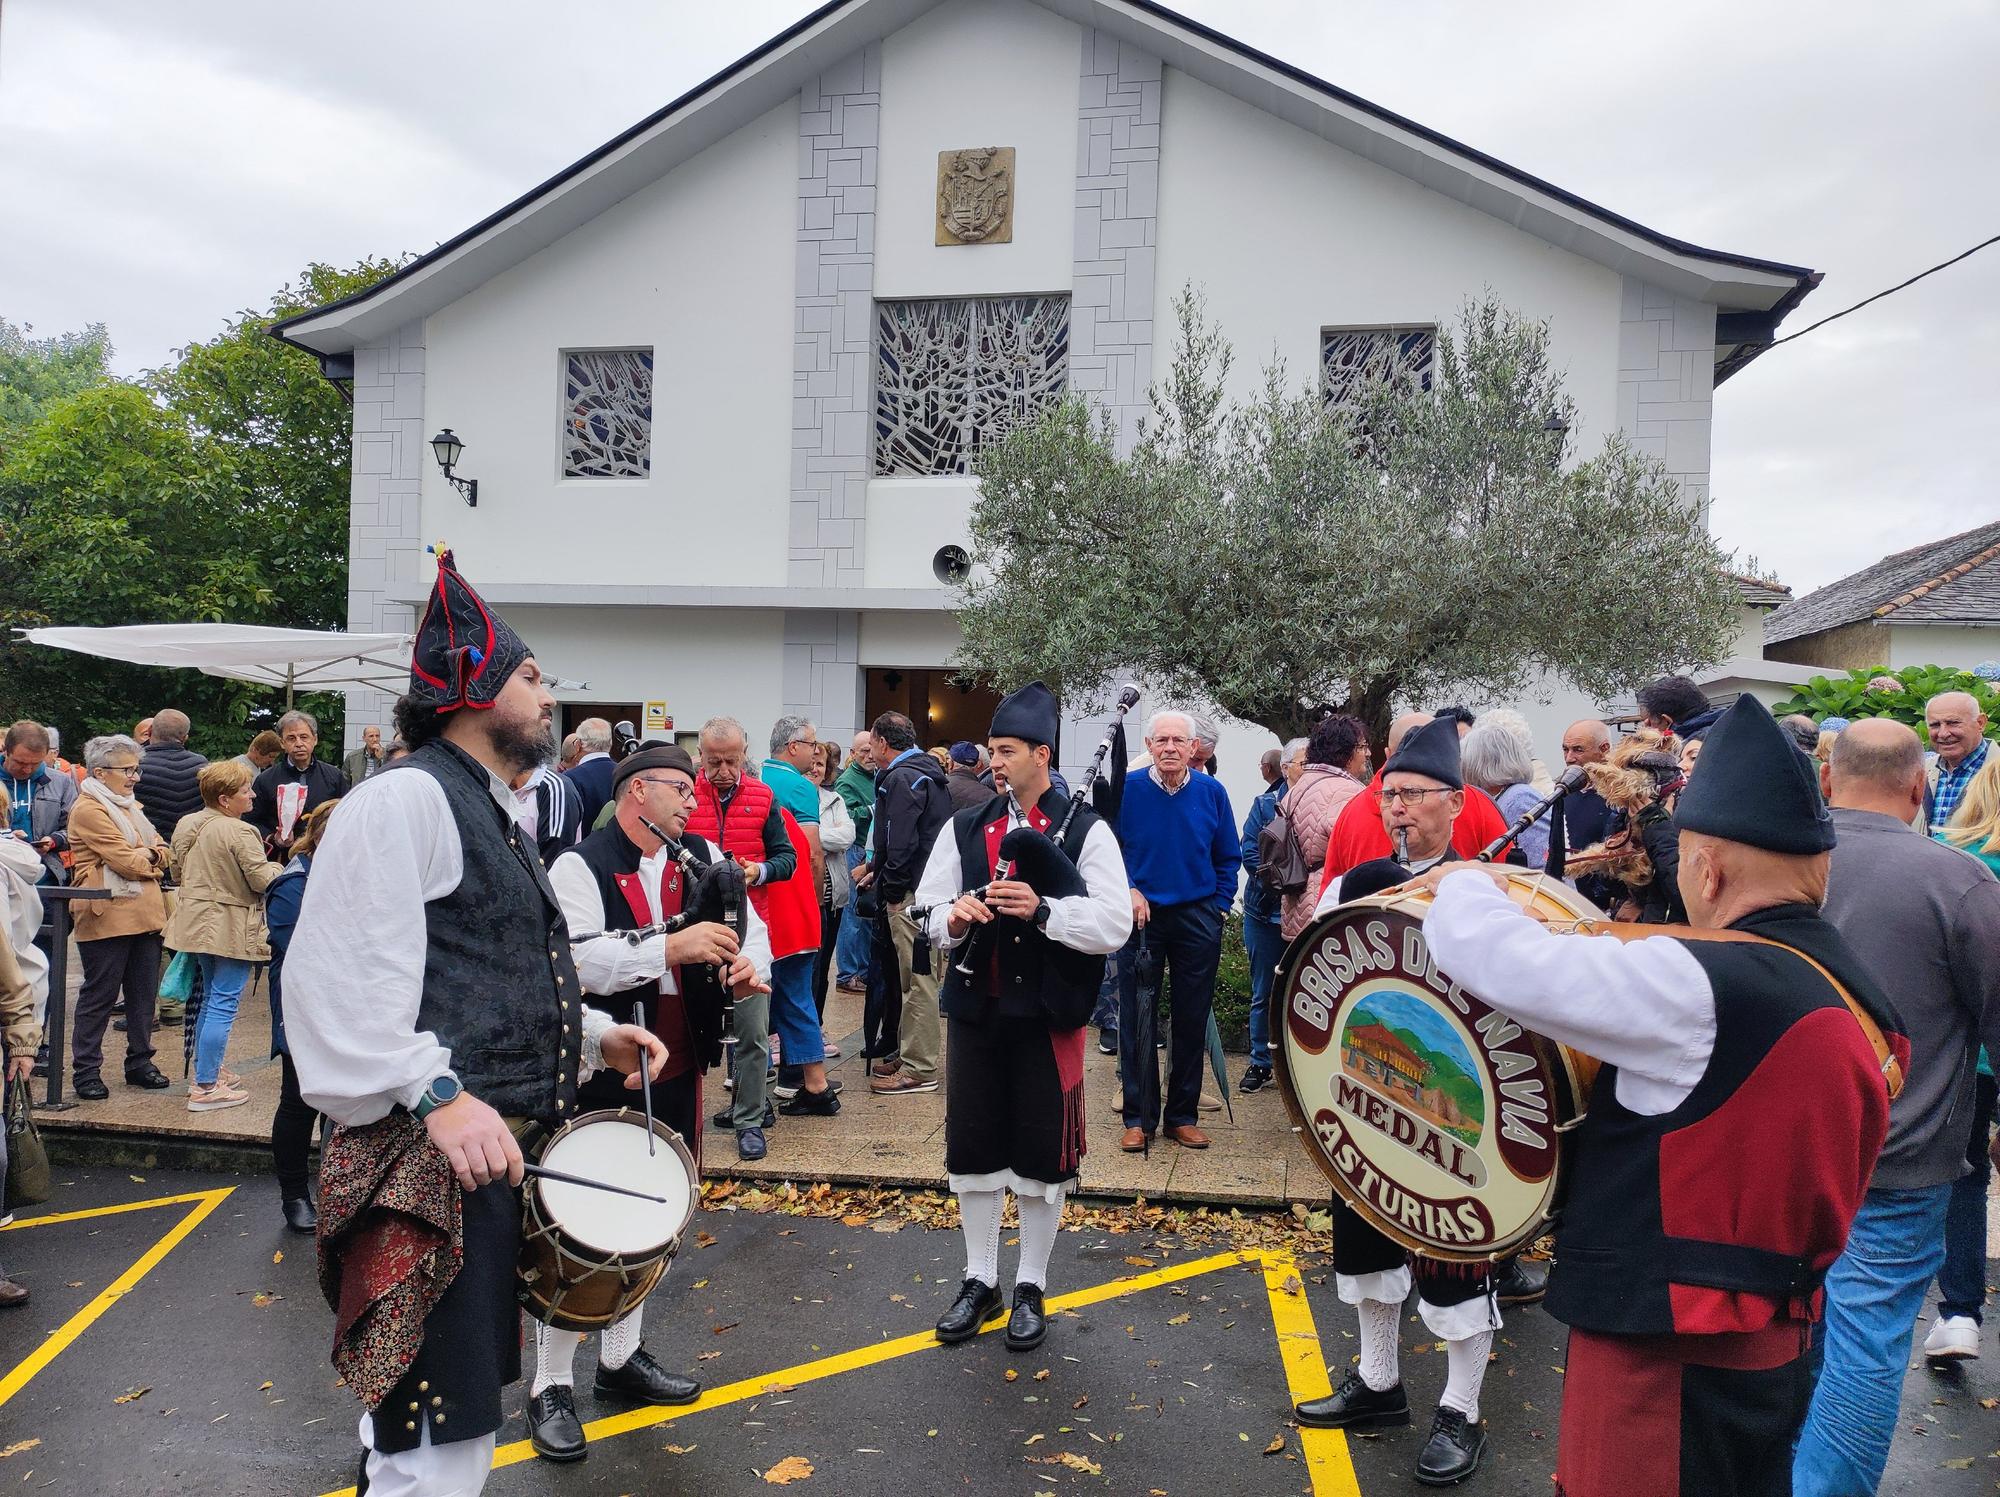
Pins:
<point x="823" y="1104"/>
<point x="148" y="1076"/>
<point x="976" y="1305"/>
<point x="725" y="1120"/>
<point x="92" y="1089"/>
<point x="1519" y="1282"/>
<point x="553" y="1428"/>
<point x="643" y="1380"/>
<point x="300" y="1216"/>
<point x="1029" y="1322"/>
<point x="1355" y="1405"/>
<point x="1452" y="1453"/>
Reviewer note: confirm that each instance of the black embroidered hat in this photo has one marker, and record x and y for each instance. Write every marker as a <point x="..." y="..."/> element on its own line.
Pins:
<point x="1431" y="751"/>
<point x="464" y="651"/>
<point x="661" y="756"/>
<point x="1751" y="785"/>
<point x="1028" y="714"/>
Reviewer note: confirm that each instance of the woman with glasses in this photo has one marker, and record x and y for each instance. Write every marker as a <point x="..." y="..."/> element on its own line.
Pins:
<point x="116" y="848"/>
<point x="219" y="918"/>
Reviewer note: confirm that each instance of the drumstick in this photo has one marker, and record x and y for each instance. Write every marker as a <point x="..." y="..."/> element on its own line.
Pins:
<point x="645" y="1074"/>
<point x="545" y="1173"/>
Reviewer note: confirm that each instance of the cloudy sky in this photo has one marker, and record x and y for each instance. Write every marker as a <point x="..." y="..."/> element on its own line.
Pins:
<point x="165" y="164"/>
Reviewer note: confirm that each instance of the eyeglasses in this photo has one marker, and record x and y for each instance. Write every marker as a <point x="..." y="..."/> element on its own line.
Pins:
<point x="686" y="792"/>
<point x="124" y="769"/>
<point x="1411" y="797"/>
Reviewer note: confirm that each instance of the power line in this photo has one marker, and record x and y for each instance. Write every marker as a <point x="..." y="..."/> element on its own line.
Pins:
<point x="1890" y="292"/>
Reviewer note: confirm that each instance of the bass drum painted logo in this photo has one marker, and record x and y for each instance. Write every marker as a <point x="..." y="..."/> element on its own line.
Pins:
<point x="1435" y="1117"/>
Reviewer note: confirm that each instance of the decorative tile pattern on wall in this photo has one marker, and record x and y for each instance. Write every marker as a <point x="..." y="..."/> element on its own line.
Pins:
<point x="1117" y="229"/>
<point x="608" y="413"/>
<point x="840" y="116"/>
<point x="391" y="450"/>
<point x="955" y="376"/>
<point x="1666" y="382"/>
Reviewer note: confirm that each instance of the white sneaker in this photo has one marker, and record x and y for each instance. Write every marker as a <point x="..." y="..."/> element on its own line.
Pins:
<point x="1955" y="1338"/>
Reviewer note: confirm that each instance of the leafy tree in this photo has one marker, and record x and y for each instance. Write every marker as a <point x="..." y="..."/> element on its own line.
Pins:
<point x="36" y="372"/>
<point x="1877" y="691"/>
<point x="214" y="489"/>
<point x="1280" y="557"/>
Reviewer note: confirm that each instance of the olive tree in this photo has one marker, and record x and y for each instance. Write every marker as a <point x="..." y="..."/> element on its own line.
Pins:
<point x="1282" y="556"/>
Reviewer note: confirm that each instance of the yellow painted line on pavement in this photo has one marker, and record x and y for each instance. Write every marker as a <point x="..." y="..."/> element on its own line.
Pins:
<point x="58" y="1217"/>
<point x="59" y="1339"/>
<point x="1327" y="1459"/>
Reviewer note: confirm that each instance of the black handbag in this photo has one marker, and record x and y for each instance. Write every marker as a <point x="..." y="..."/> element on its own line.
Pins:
<point x="1281" y="861"/>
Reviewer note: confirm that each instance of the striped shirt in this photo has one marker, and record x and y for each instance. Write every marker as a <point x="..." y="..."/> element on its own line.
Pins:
<point x="1949" y="787"/>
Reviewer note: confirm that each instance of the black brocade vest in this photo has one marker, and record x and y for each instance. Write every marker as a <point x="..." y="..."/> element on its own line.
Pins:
<point x="613" y="857"/>
<point x="499" y="986"/>
<point x="1036" y="977"/>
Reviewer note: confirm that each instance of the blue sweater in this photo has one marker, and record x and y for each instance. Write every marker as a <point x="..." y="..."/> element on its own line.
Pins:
<point x="1181" y="847"/>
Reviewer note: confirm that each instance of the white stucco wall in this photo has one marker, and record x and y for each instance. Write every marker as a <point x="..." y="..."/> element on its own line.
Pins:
<point x="699" y="267"/>
<point x="908" y="519"/>
<point x="1942" y="645"/>
<point x="978" y="73"/>
<point x="908" y="639"/>
<point x="1287" y="234"/>
<point x="701" y="661"/>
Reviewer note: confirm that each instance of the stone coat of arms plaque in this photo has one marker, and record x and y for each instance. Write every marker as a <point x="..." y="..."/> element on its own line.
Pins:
<point x="975" y="196"/>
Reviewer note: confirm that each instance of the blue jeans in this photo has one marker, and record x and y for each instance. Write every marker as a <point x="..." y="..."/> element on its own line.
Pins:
<point x="794" y="1017"/>
<point x="854" y="955"/>
<point x="1962" y="1279"/>
<point x="223" y="979"/>
<point x="1873" y="1293"/>
<point x="1264" y="945"/>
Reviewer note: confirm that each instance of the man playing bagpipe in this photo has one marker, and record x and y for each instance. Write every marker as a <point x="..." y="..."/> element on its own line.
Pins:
<point x="1016" y="999"/>
<point x="625" y="877"/>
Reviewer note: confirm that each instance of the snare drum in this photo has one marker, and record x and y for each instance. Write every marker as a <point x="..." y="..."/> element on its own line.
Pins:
<point x="588" y="1256"/>
<point x="1438" y="1119"/>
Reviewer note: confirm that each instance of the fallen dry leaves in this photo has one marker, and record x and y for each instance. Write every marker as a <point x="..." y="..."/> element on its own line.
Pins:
<point x="17" y="1447"/>
<point x="792" y="1468"/>
<point x="132" y="1395"/>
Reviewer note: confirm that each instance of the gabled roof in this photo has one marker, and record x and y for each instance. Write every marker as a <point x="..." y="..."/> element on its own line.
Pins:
<point x="1759" y="593"/>
<point x="1952" y="581"/>
<point x="1753" y="295"/>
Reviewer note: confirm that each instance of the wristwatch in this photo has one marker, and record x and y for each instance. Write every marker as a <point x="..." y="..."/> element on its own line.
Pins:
<point x="1043" y="909"/>
<point x="443" y="1088"/>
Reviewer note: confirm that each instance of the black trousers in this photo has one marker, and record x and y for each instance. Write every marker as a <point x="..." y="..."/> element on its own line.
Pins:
<point x="112" y="964"/>
<point x="1185" y="944"/>
<point x="829" y="926"/>
<point x="291" y="1134"/>
<point x="882" y="1009"/>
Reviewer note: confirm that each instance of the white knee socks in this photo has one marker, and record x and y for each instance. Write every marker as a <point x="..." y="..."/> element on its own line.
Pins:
<point x="555" y="1357"/>
<point x="1380" y="1325"/>
<point x="1039" y="1221"/>
<point x="979" y="1218"/>
<point x="1467" y="1360"/>
<point x="617" y="1342"/>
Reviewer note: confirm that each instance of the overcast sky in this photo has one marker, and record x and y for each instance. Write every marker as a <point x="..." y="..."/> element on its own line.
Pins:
<point x="162" y="165"/>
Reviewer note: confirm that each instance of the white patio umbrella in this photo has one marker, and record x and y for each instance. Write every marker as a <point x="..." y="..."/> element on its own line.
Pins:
<point x="296" y="659"/>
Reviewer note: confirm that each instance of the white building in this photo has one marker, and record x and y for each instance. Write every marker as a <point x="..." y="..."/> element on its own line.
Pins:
<point x="717" y="380"/>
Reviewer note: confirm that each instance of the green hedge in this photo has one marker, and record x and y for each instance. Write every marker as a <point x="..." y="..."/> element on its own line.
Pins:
<point x="1853" y="697"/>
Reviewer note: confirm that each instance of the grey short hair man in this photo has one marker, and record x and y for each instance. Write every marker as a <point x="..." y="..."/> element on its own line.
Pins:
<point x="594" y="733"/>
<point x="170" y="728"/>
<point x="288" y="720"/>
<point x="1924" y="919"/>
<point x="787" y="731"/>
<point x="169" y="790"/>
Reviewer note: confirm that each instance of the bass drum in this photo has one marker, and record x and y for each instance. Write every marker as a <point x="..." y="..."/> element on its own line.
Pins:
<point x="1437" y="1118"/>
<point x="588" y="1256"/>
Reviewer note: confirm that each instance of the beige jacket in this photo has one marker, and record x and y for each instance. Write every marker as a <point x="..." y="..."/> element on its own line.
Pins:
<point x="223" y="875"/>
<point x="1313" y="805"/>
<point x="99" y="842"/>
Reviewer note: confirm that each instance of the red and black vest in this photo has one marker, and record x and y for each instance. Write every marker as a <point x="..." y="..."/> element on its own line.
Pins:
<point x="1024" y="975"/>
<point x="788" y="908"/>
<point x="1723" y="1215"/>
<point x="690" y="1021"/>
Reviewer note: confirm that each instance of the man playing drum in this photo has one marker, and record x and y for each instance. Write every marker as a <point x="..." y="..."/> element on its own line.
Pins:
<point x="1422" y="795"/>
<point x="1013" y="1112"/>
<point x="1732" y="1128"/>
<point x="621" y="878"/>
<point x="430" y="979"/>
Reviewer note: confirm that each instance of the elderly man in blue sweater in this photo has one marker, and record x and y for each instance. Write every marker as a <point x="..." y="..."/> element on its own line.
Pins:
<point x="1181" y="854"/>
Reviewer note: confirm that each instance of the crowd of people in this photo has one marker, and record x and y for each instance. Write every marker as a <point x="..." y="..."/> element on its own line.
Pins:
<point x="875" y="868"/>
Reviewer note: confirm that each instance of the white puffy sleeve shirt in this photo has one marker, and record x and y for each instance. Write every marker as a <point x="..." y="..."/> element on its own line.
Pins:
<point x="1096" y="922"/>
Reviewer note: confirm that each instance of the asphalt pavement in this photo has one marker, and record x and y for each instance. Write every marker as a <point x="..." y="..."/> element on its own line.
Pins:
<point x="1167" y="1374"/>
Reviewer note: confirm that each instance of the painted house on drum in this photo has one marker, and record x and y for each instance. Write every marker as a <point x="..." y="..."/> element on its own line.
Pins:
<point x="774" y="323"/>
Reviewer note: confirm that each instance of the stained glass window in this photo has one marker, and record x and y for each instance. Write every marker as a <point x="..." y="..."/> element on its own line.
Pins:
<point x="1353" y="359"/>
<point x="953" y="377"/>
<point x="608" y="413"/>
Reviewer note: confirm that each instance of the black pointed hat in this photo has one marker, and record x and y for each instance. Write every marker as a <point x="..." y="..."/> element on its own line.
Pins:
<point x="1432" y="751"/>
<point x="1751" y="785"/>
<point x="464" y="651"/>
<point x="1029" y="713"/>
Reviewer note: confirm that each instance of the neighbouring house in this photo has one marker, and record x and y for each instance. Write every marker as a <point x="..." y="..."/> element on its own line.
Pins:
<point x="723" y="382"/>
<point x="1934" y="604"/>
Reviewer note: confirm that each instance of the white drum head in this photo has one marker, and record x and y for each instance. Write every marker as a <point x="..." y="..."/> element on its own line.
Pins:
<point x="614" y="1151"/>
